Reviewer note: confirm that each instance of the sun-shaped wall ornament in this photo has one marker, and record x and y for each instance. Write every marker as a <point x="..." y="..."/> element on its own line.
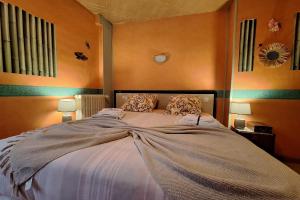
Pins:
<point x="274" y="54"/>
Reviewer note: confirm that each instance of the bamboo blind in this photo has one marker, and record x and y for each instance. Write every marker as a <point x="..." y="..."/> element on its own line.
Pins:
<point x="247" y="43"/>
<point x="27" y="43"/>
<point x="296" y="55"/>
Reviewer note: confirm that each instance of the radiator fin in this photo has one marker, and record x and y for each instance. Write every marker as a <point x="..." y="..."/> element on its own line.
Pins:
<point x="88" y="105"/>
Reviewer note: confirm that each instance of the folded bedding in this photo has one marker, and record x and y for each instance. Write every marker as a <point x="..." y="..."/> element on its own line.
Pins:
<point x="198" y="120"/>
<point x="107" y="158"/>
<point x="116" y="113"/>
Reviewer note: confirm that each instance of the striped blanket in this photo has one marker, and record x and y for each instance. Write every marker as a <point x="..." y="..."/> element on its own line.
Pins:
<point x="187" y="162"/>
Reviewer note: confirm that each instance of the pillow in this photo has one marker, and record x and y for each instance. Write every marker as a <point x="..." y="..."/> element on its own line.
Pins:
<point x="183" y="105"/>
<point x="140" y="103"/>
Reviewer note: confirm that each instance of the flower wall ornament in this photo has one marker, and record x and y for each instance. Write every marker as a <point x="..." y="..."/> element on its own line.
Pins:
<point x="273" y="25"/>
<point x="274" y="54"/>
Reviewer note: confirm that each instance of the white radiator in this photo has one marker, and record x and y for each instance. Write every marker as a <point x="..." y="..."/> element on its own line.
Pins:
<point x="88" y="105"/>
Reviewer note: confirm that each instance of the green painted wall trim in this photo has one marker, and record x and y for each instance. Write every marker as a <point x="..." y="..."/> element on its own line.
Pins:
<point x="266" y="94"/>
<point x="24" y="90"/>
<point x="220" y="93"/>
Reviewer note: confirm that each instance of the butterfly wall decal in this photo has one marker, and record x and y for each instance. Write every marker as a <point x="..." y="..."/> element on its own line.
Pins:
<point x="81" y="56"/>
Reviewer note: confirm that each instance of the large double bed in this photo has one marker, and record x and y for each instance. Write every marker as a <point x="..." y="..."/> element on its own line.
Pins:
<point x="224" y="165"/>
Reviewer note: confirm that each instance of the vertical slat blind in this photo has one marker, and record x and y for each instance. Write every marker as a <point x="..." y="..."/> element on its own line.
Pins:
<point x="6" y="38"/>
<point x="27" y="43"/>
<point x="14" y="39"/>
<point x="45" y="48"/>
<point x="21" y="41"/>
<point x="247" y="43"/>
<point x="1" y="46"/>
<point x="40" y="47"/>
<point x="296" y="56"/>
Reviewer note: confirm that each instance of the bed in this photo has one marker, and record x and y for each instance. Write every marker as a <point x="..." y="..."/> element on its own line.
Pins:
<point x="116" y="170"/>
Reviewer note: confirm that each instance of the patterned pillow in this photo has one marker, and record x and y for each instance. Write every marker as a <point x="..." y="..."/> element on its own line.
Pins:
<point x="140" y="103"/>
<point x="183" y="105"/>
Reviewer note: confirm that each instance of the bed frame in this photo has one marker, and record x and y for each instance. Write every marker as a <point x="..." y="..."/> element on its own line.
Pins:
<point x="209" y="97"/>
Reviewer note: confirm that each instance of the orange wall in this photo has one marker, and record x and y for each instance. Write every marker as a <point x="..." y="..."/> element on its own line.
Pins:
<point x="281" y="114"/>
<point x="20" y="114"/>
<point x="74" y="26"/>
<point x="263" y="77"/>
<point x="196" y="46"/>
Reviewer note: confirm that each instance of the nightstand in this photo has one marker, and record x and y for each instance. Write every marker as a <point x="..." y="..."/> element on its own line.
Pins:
<point x="265" y="141"/>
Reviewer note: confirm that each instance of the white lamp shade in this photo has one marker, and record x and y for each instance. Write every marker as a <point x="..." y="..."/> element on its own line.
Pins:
<point x="66" y="105"/>
<point x="240" y="108"/>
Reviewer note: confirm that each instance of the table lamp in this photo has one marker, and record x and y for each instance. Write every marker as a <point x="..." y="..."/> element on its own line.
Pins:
<point x="66" y="106"/>
<point x="240" y="109"/>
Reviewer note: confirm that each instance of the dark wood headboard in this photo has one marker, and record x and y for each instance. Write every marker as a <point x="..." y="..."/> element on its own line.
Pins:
<point x="209" y="97"/>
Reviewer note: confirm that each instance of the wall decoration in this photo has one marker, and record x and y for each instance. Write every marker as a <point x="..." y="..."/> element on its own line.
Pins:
<point x="28" y="43"/>
<point x="274" y="54"/>
<point x="81" y="56"/>
<point x="273" y="25"/>
<point x="296" y="52"/>
<point x="247" y="42"/>
<point x="87" y="44"/>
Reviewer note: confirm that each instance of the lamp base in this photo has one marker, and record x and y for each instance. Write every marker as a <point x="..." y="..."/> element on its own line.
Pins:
<point x="239" y="123"/>
<point x="66" y="118"/>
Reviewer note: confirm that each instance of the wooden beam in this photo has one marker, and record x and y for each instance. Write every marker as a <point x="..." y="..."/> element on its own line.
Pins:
<point x="27" y="44"/>
<point x="296" y="63"/>
<point x="14" y="38"/>
<point x="54" y="51"/>
<point x="246" y="47"/>
<point x="33" y="45"/>
<point x="1" y="46"/>
<point x="45" y="48"/>
<point x="50" y="53"/>
<point x="6" y="37"/>
<point x="21" y="41"/>
<point x="242" y="38"/>
<point x="40" y="47"/>
<point x="251" y="44"/>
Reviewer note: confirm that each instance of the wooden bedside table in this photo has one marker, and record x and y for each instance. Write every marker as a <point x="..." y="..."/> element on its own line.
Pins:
<point x="265" y="141"/>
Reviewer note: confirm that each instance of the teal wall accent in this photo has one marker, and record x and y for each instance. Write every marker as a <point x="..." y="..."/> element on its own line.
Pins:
<point x="266" y="94"/>
<point x="260" y="94"/>
<point x="222" y="93"/>
<point x="24" y="90"/>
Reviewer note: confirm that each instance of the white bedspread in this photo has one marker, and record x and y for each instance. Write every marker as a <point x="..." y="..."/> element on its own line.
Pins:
<point x="104" y="172"/>
<point x="98" y="172"/>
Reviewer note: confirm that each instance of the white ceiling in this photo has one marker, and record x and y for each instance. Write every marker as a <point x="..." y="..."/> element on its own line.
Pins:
<point x="120" y="11"/>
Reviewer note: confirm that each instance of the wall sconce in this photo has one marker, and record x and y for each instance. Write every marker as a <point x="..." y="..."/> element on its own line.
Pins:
<point x="160" y="58"/>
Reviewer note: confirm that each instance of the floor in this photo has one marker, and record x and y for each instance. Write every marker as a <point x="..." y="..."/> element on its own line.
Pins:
<point x="294" y="166"/>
